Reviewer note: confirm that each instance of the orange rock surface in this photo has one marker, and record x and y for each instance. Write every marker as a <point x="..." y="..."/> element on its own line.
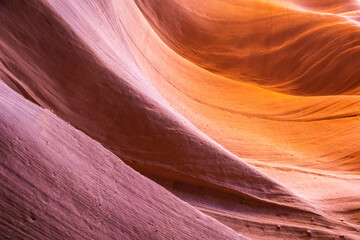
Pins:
<point x="242" y="117"/>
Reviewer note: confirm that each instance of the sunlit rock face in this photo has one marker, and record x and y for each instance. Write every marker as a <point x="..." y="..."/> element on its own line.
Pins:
<point x="179" y="119"/>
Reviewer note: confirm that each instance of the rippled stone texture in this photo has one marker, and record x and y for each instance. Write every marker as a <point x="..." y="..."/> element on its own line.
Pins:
<point x="241" y="119"/>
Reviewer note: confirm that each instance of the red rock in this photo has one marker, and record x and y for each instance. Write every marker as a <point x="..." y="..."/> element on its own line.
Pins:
<point x="248" y="111"/>
<point x="73" y="188"/>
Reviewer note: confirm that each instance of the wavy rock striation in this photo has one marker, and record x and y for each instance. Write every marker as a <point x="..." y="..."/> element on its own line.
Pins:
<point x="248" y="111"/>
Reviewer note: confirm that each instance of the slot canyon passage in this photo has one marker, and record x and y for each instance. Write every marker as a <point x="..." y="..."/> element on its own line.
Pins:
<point x="179" y="119"/>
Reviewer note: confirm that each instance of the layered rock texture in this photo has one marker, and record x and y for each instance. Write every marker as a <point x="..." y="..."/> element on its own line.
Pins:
<point x="179" y="119"/>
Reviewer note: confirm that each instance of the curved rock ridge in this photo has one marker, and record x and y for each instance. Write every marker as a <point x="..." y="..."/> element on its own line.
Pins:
<point x="263" y="42"/>
<point x="120" y="112"/>
<point x="57" y="183"/>
<point x="249" y="112"/>
<point x="291" y="129"/>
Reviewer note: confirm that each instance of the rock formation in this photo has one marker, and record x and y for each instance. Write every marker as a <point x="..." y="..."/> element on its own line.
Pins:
<point x="179" y="119"/>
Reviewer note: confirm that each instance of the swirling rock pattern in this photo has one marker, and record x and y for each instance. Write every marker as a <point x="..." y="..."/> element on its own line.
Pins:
<point x="237" y="119"/>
